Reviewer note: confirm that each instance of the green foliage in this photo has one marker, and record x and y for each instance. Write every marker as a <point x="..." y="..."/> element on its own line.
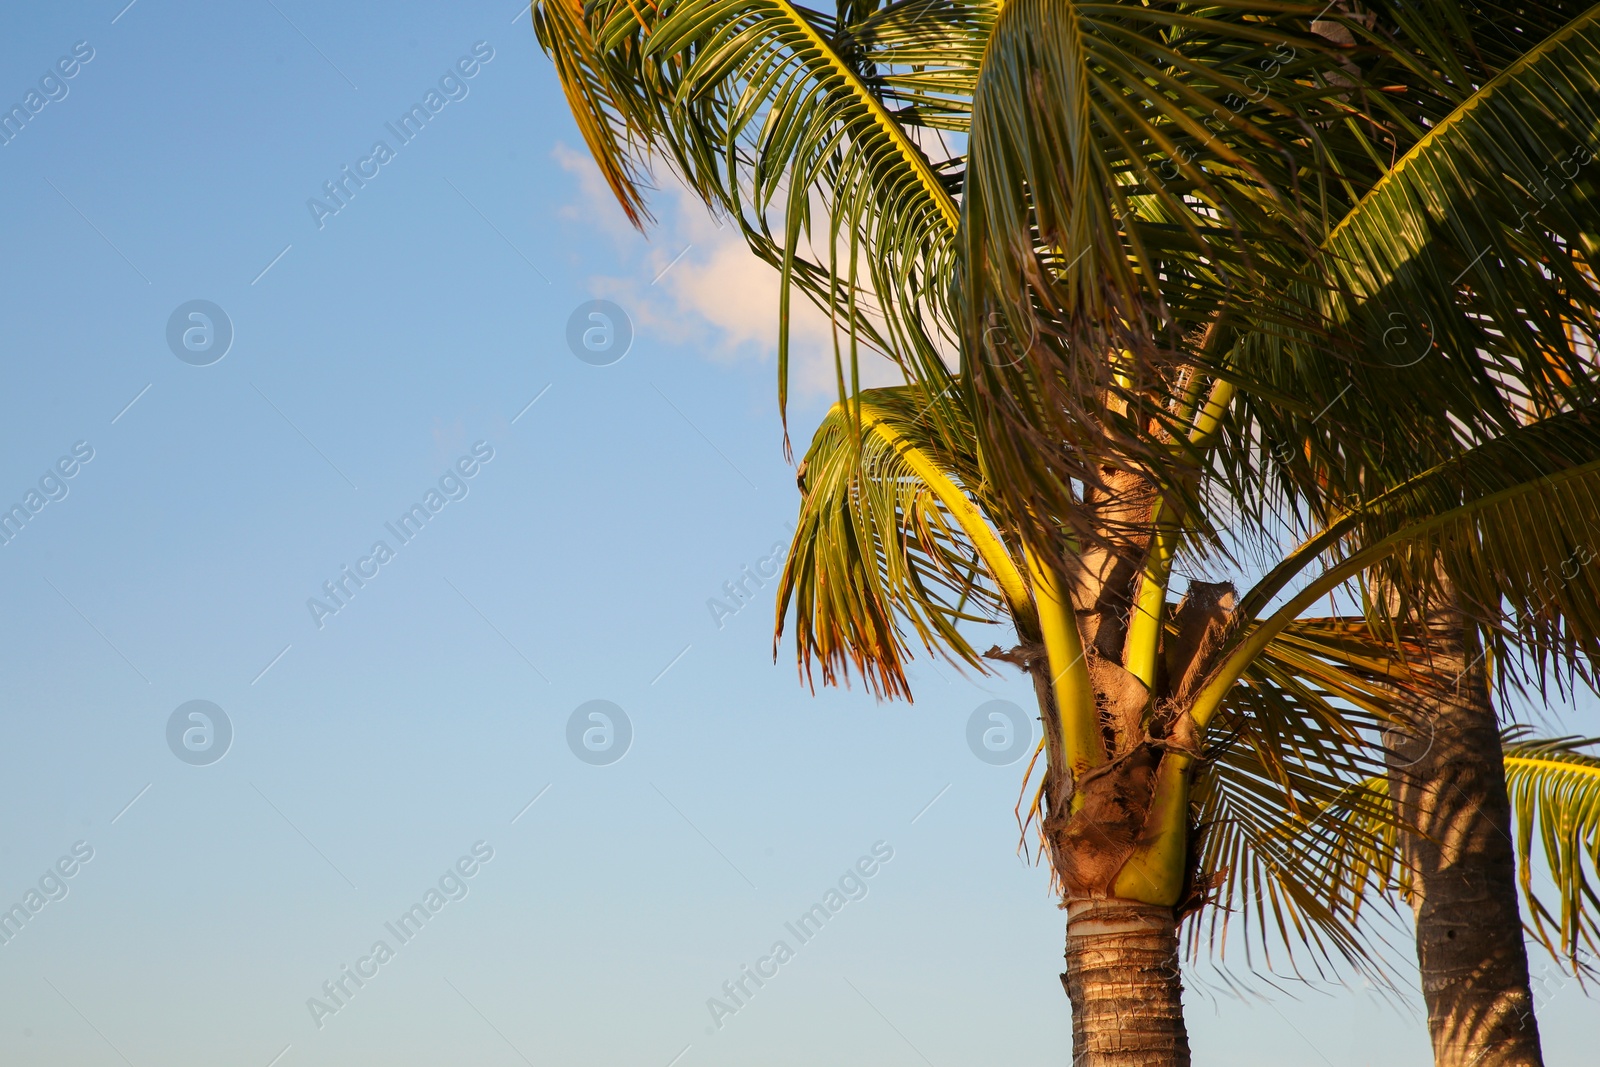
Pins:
<point x="1067" y="223"/>
<point x="1294" y="828"/>
<point x="769" y="115"/>
<point x="1462" y="283"/>
<point x="874" y="547"/>
<point x="1508" y="523"/>
<point x="1555" y="800"/>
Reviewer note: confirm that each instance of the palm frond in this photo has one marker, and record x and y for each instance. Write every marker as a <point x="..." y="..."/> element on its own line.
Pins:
<point x="767" y="113"/>
<point x="1514" y="538"/>
<point x="1463" y="281"/>
<point x="1294" y="828"/>
<point x="1454" y="46"/>
<point x="596" y="104"/>
<point x="1555" y="801"/>
<point x="926" y="54"/>
<point x="1509" y="524"/>
<point x="887" y="536"/>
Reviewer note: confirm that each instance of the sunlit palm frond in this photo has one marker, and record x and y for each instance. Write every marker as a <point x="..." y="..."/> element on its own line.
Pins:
<point x="1510" y="524"/>
<point x="888" y="537"/>
<point x="598" y="104"/>
<point x="1295" y="830"/>
<point x="1286" y="881"/>
<point x="1463" y="281"/>
<point x="927" y="54"/>
<point x="1555" y="800"/>
<point x="1515" y="538"/>
<point x="1304" y="847"/>
<point x="765" y="113"/>
<point x="1555" y="803"/>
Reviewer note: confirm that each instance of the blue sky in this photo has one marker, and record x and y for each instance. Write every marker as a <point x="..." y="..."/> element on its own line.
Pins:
<point x="374" y="349"/>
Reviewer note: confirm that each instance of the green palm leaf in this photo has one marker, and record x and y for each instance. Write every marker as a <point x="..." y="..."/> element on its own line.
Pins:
<point x="1555" y="798"/>
<point x="887" y="536"/>
<point x="927" y="54"/>
<point x="768" y="114"/>
<point x="1555" y="801"/>
<point x="1452" y="48"/>
<point x="1508" y="523"/>
<point x="1464" y="279"/>
<point x="1294" y="827"/>
<point x="1471" y="212"/>
<point x="596" y="101"/>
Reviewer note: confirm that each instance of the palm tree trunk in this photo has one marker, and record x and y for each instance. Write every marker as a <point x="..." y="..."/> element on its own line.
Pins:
<point x="1122" y="974"/>
<point x="1125" y="986"/>
<point x="1448" y="780"/>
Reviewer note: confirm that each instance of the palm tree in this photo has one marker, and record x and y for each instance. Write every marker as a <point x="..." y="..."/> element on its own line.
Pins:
<point x="1445" y="767"/>
<point x="894" y="532"/>
<point x="1447" y="776"/>
<point x="1146" y="217"/>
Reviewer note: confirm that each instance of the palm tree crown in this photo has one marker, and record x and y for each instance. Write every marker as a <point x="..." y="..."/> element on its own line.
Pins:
<point x="1164" y="279"/>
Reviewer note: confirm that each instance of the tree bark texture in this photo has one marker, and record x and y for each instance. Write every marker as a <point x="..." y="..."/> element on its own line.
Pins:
<point x="1448" y="780"/>
<point x="1124" y="982"/>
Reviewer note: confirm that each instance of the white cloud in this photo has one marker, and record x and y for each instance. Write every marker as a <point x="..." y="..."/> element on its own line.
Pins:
<point x="695" y="283"/>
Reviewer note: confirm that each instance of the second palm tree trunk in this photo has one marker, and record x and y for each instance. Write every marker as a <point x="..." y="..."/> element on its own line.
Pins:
<point x="1448" y="780"/>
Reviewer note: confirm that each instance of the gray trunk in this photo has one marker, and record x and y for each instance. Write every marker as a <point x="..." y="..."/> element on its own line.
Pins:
<point x="1448" y="780"/>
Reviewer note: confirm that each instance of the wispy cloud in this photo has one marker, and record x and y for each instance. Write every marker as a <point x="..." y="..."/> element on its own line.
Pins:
<point x="696" y="284"/>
